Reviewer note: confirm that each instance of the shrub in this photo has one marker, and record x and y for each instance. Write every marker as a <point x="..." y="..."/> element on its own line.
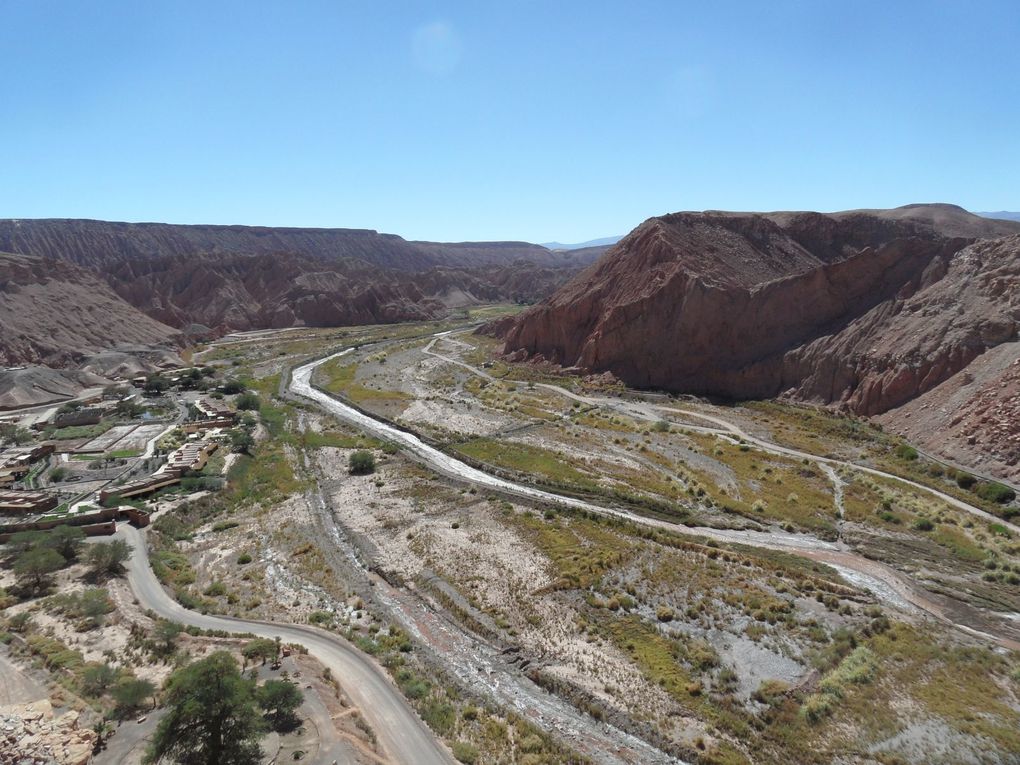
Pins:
<point x="215" y="590"/>
<point x="361" y="462"/>
<point x="816" y="706"/>
<point x="906" y="452"/>
<point x="230" y="387"/>
<point x="243" y="558"/>
<point x="664" y="614"/>
<point x="965" y="480"/>
<point x="440" y="716"/>
<point x="995" y="492"/>
<point x="465" y="752"/>
<point x="412" y="686"/>
<point x="770" y="692"/>
<point x="923" y="524"/>
<point x="248" y="401"/>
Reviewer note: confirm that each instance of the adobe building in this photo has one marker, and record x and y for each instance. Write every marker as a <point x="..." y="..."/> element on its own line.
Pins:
<point x="27" y="502"/>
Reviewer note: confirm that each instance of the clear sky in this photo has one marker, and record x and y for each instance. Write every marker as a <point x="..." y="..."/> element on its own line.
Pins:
<point x="524" y="120"/>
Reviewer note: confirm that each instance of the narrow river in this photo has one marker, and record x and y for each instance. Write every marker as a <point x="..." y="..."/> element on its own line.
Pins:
<point x="882" y="581"/>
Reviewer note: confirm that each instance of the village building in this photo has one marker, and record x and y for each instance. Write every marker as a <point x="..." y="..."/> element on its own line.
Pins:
<point x="27" y="502"/>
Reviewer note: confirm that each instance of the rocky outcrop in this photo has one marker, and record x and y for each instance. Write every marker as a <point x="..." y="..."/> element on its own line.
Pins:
<point x="971" y="419"/>
<point x="30" y="734"/>
<point x="865" y="309"/>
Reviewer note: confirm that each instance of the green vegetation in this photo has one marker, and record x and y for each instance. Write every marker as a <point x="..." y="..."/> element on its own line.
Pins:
<point x="215" y="715"/>
<point x="248" y="401"/>
<point x="341" y="378"/>
<point x="312" y="439"/>
<point x="361" y="462"/>
<point x="34" y="566"/>
<point x="87" y="607"/>
<point x="995" y="492"/>
<point x="108" y="558"/>
<point x="261" y="649"/>
<point x="906" y="452"/>
<point x="858" y="668"/>
<point x="768" y="486"/>
<point x="123" y="454"/>
<point x="80" y="431"/>
<point x="533" y="460"/>
<point x="131" y="695"/>
<point x="280" y="699"/>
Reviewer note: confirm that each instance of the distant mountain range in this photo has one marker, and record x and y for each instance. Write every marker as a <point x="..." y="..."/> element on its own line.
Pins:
<point x="74" y="287"/>
<point x="606" y="241"/>
<point x="1001" y="215"/>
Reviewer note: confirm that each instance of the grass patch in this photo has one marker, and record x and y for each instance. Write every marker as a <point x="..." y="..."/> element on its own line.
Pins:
<point x="80" y="431"/>
<point x="340" y="378"/>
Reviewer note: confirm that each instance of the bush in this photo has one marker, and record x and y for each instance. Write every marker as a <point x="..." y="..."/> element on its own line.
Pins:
<point x="965" y="480"/>
<point x="248" y="401"/>
<point x="464" y="752"/>
<point x="816" y="706"/>
<point x="243" y="558"/>
<point x="131" y="695"/>
<point x="215" y="590"/>
<point x="923" y="524"/>
<point x="440" y="716"/>
<point x="230" y="387"/>
<point x="361" y="462"/>
<point x="412" y="686"/>
<point x="906" y="452"/>
<point x="995" y="492"/>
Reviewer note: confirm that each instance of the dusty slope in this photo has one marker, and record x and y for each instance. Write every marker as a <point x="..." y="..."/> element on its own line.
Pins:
<point x="241" y="277"/>
<point x="34" y="385"/>
<point x="864" y="309"/>
<point x="241" y="292"/>
<point x="973" y="418"/>
<point x="55" y="313"/>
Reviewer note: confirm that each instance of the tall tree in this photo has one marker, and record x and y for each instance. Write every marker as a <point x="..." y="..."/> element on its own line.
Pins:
<point x="212" y="717"/>
<point x="66" y="540"/>
<point x="36" y="564"/>
<point x="279" y="699"/>
<point x="259" y="648"/>
<point x="108" y="557"/>
<point x="130" y="695"/>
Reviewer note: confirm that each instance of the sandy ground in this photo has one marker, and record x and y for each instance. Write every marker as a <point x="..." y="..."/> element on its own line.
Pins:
<point x="17" y="685"/>
<point x="492" y="565"/>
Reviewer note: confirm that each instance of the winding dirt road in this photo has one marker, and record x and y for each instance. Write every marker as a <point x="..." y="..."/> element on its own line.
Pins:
<point x="402" y="735"/>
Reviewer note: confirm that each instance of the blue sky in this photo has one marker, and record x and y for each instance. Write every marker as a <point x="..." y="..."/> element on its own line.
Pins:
<point x="478" y="120"/>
